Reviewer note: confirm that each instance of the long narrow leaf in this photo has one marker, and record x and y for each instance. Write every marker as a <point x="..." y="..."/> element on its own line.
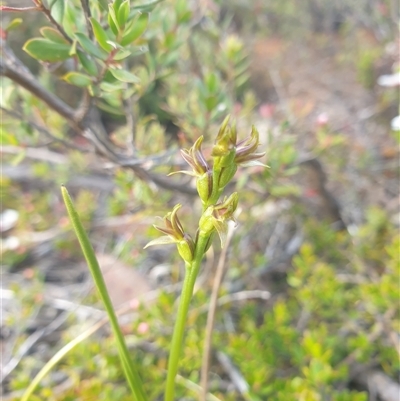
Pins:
<point x="130" y="371"/>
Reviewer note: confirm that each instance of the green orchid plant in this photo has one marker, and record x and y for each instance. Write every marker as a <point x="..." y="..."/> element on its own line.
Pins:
<point x="211" y="180"/>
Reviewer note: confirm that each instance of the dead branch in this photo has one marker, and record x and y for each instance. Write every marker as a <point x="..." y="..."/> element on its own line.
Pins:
<point x="90" y="127"/>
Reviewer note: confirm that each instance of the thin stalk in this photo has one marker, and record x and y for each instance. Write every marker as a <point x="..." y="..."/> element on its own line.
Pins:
<point x="130" y="371"/>
<point x="220" y="271"/>
<point x="192" y="270"/>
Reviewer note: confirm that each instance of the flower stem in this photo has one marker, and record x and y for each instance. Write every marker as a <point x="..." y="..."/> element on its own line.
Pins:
<point x="192" y="270"/>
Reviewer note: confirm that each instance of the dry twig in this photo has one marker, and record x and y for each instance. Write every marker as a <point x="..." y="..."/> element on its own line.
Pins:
<point x="211" y="314"/>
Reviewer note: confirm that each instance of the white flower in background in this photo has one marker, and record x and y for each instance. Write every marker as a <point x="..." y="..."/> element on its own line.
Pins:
<point x="395" y="124"/>
<point x="389" y="81"/>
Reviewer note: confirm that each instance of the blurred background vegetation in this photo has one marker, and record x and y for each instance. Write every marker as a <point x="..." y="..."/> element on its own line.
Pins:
<point x="309" y="308"/>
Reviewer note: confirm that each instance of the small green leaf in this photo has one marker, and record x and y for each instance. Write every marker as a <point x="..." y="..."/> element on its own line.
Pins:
<point x="212" y="82"/>
<point x="112" y="18"/>
<point x="77" y="79"/>
<point x="147" y="7"/>
<point x="90" y="47"/>
<point x="101" y="35"/>
<point x="123" y="13"/>
<point x="117" y="4"/>
<point x="111" y="21"/>
<point x="121" y="54"/>
<point x="57" y="9"/>
<point x="53" y="35"/>
<point x="15" y="23"/>
<point x="46" y="50"/>
<point x="87" y="63"/>
<point x="112" y="87"/>
<point x="211" y="102"/>
<point x="124" y="76"/>
<point x="135" y="29"/>
<point x="110" y="109"/>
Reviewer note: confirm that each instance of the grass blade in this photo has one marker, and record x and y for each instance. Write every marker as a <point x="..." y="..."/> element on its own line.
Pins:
<point x="130" y="371"/>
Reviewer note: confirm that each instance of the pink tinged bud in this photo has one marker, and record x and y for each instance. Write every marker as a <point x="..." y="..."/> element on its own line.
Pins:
<point x="194" y="157"/>
<point x="175" y="222"/>
<point x="225" y="210"/>
<point x="175" y="235"/>
<point x="173" y="228"/>
<point x="198" y="156"/>
<point x="246" y="149"/>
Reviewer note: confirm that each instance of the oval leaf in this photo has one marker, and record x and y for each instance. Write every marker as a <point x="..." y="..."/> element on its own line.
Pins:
<point x="77" y="79"/>
<point x="111" y="20"/>
<point x="101" y="35"/>
<point x="110" y="109"/>
<point x="117" y="5"/>
<point x="57" y="9"/>
<point x="123" y="13"/>
<point x="124" y="76"/>
<point x="135" y="29"/>
<point x="90" y="47"/>
<point x="147" y="7"/>
<point x="112" y="14"/>
<point x="121" y="54"/>
<point x="87" y="63"/>
<point x="111" y="87"/>
<point x="53" y="35"/>
<point x="46" y="50"/>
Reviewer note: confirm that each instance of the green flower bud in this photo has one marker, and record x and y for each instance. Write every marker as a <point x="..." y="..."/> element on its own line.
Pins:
<point x="175" y="235"/>
<point x="215" y="218"/>
<point x="224" y="210"/>
<point x="246" y="149"/>
<point x="225" y="175"/>
<point x="186" y="248"/>
<point x="204" y="185"/>
<point x="224" y="150"/>
<point x="206" y="223"/>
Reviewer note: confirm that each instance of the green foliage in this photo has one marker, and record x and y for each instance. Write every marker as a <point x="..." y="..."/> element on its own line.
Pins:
<point x="365" y="65"/>
<point x="47" y="50"/>
<point x="163" y="74"/>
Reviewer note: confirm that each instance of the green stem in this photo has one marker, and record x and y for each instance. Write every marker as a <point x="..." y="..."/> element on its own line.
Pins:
<point x="192" y="270"/>
<point x="131" y="373"/>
